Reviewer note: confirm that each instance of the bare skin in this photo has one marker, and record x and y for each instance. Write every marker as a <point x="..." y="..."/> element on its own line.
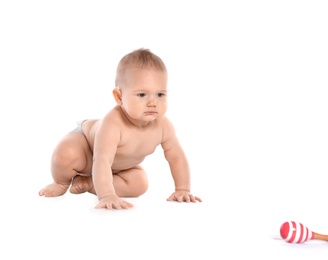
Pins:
<point x="113" y="148"/>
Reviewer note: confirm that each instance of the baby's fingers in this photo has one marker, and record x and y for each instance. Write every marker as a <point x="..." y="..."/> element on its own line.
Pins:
<point x="114" y="205"/>
<point x="192" y="198"/>
<point x="179" y="198"/>
<point x="174" y="197"/>
<point x="197" y="199"/>
<point x="126" y="205"/>
<point x="104" y="205"/>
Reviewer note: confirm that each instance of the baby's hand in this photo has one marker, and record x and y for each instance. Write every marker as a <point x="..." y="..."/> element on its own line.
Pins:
<point x="183" y="196"/>
<point x="113" y="202"/>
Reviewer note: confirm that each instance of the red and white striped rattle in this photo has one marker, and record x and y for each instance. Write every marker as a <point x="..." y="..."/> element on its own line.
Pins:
<point x="294" y="232"/>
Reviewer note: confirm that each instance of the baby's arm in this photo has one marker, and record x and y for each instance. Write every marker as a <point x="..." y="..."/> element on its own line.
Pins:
<point x="106" y="141"/>
<point x="179" y="166"/>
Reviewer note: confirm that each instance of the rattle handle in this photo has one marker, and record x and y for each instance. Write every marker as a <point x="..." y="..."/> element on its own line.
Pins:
<point x="320" y="236"/>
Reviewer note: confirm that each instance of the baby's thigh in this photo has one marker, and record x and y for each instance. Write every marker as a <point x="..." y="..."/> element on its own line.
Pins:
<point x="73" y="152"/>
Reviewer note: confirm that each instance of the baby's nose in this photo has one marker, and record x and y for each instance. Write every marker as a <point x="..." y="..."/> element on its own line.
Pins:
<point x="152" y="101"/>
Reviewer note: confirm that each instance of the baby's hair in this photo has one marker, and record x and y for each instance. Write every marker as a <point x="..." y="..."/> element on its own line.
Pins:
<point x="141" y="58"/>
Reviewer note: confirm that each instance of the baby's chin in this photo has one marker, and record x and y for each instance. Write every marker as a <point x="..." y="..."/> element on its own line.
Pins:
<point x="147" y="119"/>
<point x="153" y="117"/>
<point x="143" y="121"/>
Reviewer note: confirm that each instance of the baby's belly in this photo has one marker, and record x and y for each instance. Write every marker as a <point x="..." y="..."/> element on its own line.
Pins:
<point x="124" y="162"/>
<point x="125" y="165"/>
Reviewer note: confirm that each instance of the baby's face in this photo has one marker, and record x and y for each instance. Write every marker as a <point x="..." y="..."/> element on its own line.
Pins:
<point x="144" y="94"/>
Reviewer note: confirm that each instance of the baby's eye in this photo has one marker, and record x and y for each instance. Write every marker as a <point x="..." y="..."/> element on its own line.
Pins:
<point x="161" y="94"/>
<point x="141" y="95"/>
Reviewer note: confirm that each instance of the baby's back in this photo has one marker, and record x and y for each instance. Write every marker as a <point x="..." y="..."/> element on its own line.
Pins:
<point x="89" y="128"/>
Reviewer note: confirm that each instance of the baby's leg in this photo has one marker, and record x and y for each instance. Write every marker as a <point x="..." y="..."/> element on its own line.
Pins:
<point x="130" y="183"/>
<point x="71" y="156"/>
<point x="81" y="184"/>
<point x="127" y="183"/>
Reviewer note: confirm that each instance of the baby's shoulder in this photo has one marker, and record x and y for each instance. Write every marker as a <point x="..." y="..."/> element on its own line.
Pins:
<point x="114" y="115"/>
<point x="167" y="126"/>
<point x="165" y="122"/>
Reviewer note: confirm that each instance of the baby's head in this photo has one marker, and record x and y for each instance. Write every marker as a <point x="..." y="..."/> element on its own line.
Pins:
<point x="141" y="86"/>
<point x="138" y="59"/>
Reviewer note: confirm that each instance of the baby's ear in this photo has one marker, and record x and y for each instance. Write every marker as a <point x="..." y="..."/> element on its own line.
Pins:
<point x="117" y="93"/>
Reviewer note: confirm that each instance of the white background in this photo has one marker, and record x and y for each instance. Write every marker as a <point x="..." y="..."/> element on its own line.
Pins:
<point x="248" y="97"/>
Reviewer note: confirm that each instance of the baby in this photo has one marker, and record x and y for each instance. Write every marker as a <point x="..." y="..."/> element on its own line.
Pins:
<point x="103" y="156"/>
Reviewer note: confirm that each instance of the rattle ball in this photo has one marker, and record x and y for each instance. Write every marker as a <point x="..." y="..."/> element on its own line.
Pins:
<point x="294" y="232"/>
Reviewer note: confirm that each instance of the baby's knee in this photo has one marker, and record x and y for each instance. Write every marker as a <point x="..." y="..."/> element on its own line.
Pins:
<point x="63" y="157"/>
<point x="139" y="183"/>
<point x="142" y="185"/>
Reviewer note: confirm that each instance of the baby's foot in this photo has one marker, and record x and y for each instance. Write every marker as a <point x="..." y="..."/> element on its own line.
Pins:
<point x="81" y="184"/>
<point x="53" y="190"/>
